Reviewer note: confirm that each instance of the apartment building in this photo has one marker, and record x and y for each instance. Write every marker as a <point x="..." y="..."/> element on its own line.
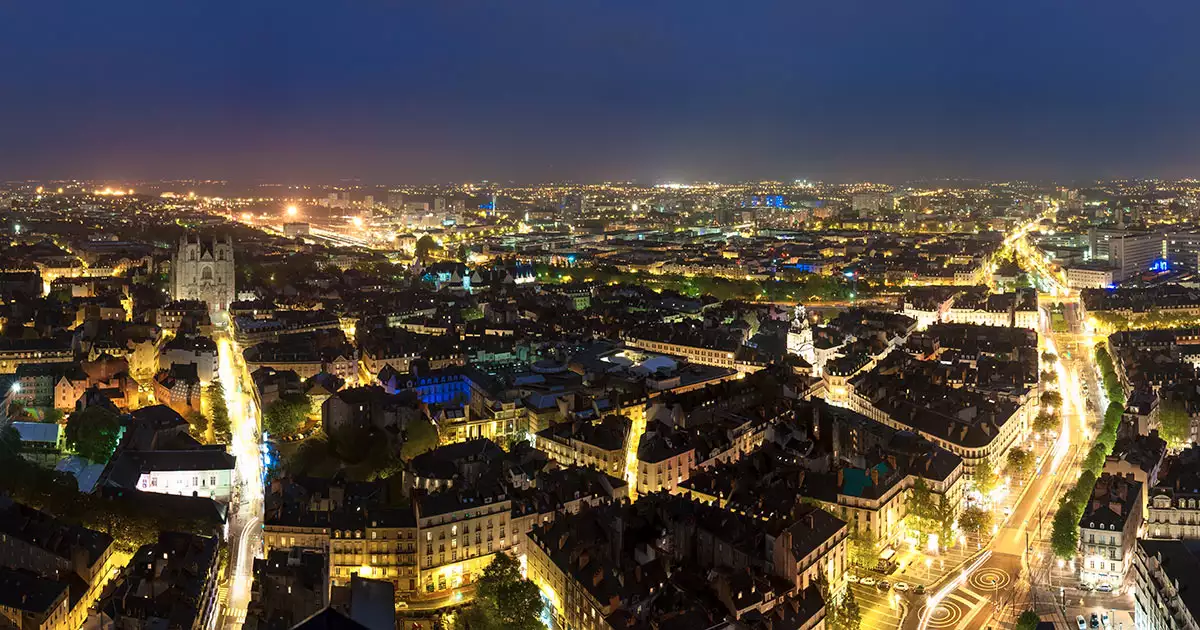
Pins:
<point x="1108" y="530"/>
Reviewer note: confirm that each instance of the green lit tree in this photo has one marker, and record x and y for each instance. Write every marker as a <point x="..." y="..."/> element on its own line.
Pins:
<point x="985" y="477"/>
<point x="1047" y="422"/>
<point x="219" y="411"/>
<point x="420" y="436"/>
<point x="1051" y="399"/>
<point x="286" y="415"/>
<point x="1018" y="463"/>
<point x="864" y="548"/>
<point x="975" y="520"/>
<point x="1174" y="422"/>
<point x="503" y="600"/>
<point x="197" y="425"/>
<point x="93" y="433"/>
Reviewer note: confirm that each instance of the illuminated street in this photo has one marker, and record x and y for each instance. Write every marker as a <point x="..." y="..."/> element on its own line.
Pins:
<point x="245" y="520"/>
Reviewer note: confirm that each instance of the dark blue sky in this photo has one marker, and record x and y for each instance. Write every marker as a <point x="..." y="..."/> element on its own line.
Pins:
<point x="455" y="90"/>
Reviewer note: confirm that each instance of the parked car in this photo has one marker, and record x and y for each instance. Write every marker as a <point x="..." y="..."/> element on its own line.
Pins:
<point x="901" y="586"/>
<point x="1105" y="588"/>
<point x="867" y="581"/>
<point x="1095" y="620"/>
<point x="920" y="590"/>
<point x="1081" y="622"/>
<point x="883" y="585"/>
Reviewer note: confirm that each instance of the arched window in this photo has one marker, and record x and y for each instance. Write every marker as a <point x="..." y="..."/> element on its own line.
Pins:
<point x="206" y="274"/>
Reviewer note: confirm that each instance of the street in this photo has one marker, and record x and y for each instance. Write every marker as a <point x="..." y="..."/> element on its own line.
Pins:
<point x="1017" y="571"/>
<point x="245" y="515"/>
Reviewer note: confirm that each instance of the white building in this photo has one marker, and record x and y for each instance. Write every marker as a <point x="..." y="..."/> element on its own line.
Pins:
<point x="1134" y="253"/>
<point x="206" y="472"/>
<point x="1090" y="276"/>
<point x="184" y="350"/>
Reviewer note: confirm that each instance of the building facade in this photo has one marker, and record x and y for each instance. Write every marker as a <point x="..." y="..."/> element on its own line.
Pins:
<point x="204" y="271"/>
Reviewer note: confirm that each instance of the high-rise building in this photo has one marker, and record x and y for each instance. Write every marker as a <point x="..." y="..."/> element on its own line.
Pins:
<point x="204" y="271"/>
<point x="1131" y="254"/>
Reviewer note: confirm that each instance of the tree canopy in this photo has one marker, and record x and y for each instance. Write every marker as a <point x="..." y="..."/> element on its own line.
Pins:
<point x="425" y="245"/>
<point x="93" y="433"/>
<point x="1047" y="422"/>
<point x="503" y="600"/>
<point x="985" y="477"/>
<point x="1174" y="421"/>
<point x="1028" y="620"/>
<point x="419" y="436"/>
<point x="286" y="415"/>
<point x="219" y="411"/>
<point x="975" y="519"/>
<point x="1019" y="462"/>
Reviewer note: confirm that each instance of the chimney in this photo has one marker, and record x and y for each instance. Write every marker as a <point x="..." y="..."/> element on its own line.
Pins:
<point x="874" y="476"/>
<point x="841" y="478"/>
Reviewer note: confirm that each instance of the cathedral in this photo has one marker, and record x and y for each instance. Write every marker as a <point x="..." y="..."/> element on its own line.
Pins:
<point x="204" y="271"/>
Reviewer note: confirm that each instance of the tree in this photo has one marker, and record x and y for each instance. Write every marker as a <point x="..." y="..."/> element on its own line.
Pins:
<point x="10" y="443"/>
<point x="1019" y="462"/>
<point x="286" y="415"/>
<point x="849" y="615"/>
<point x="419" y="436"/>
<point x="93" y="433"/>
<point x="198" y="425"/>
<point x="1174" y="421"/>
<point x="1064" y="534"/>
<point x="985" y="477"/>
<point x="219" y="411"/>
<point x="1049" y="376"/>
<point x="1028" y="620"/>
<point x="975" y="519"/>
<point x="1049" y="357"/>
<point x="425" y="245"/>
<point x="1047" y="422"/>
<point x="504" y="600"/>
<point x="1051" y="399"/>
<point x="462" y="254"/>
<point x="864" y="548"/>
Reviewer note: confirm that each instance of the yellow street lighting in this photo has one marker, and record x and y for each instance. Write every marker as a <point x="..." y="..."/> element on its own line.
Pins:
<point x="292" y="211"/>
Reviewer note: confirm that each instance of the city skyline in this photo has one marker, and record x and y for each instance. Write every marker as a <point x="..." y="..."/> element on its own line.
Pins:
<point x="542" y="92"/>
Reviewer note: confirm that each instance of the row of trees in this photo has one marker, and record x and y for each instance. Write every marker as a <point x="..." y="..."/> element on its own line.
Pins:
<point x="806" y="287"/>
<point x="1112" y="382"/>
<point x="1064" y="537"/>
<point x="1113" y="321"/>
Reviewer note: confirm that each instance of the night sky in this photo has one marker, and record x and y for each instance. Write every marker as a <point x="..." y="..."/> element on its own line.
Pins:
<point x="457" y="90"/>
